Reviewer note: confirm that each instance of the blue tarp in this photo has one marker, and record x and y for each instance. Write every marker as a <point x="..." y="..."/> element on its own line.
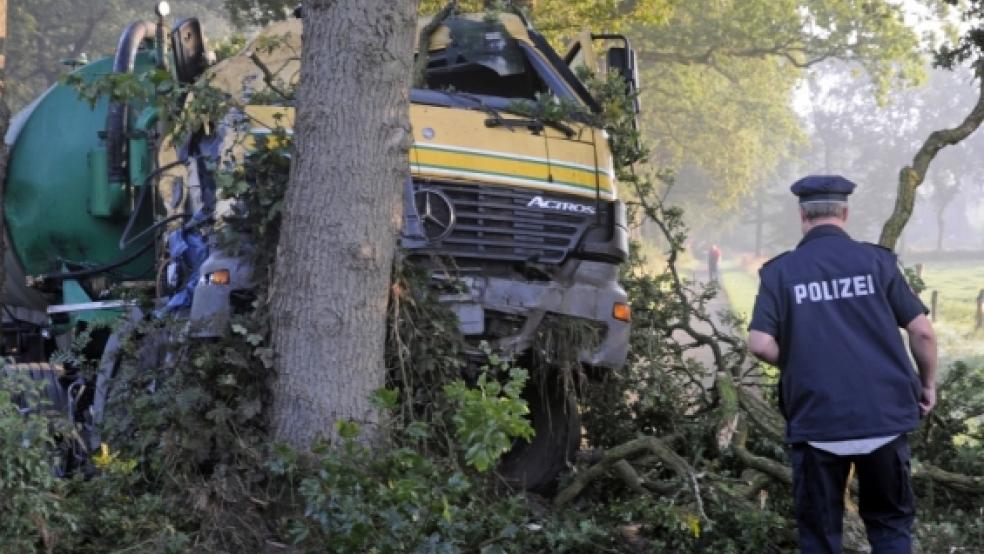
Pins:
<point x="188" y="248"/>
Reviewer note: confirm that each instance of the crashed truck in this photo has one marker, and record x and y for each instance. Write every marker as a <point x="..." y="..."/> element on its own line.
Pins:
<point x="522" y="212"/>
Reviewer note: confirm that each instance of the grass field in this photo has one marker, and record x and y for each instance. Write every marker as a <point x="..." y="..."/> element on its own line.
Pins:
<point x="957" y="282"/>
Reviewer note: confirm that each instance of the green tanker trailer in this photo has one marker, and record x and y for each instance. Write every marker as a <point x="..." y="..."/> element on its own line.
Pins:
<point x="86" y="232"/>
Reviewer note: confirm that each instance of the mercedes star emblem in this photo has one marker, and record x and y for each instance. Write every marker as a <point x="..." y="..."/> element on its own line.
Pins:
<point x="436" y="213"/>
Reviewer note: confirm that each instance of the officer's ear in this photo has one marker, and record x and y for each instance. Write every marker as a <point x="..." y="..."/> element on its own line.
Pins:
<point x="802" y="214"/>
<point x="847" y="210"/>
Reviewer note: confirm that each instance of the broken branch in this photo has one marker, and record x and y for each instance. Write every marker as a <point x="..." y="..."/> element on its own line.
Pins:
<point x="423" y="44"/>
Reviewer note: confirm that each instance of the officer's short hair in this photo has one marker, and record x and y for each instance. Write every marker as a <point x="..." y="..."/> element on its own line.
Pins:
<point x="824" y="208"/>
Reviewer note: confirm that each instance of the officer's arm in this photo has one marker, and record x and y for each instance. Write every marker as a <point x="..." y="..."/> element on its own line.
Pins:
<point x="764" y="346"/>
<point x="922" y="344"/>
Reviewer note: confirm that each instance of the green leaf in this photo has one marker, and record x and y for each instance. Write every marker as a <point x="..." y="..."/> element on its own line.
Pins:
<point x="348" y="430"/>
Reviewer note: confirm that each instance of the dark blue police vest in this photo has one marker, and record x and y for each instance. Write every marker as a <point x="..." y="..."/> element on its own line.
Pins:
<point x="835" y="306"/>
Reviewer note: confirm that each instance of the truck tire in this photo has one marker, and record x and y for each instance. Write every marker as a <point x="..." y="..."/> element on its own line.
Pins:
<point x="55" y="395"/>
<point x="535" y="465"/>
<point x="108" y="401"/>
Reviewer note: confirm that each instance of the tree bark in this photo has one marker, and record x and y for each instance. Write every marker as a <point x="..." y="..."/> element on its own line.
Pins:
<point x="911" y="176"/>
<point x="341" y="216"/>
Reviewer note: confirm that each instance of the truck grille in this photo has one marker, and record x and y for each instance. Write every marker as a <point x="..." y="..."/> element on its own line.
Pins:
<point x="494" y="223"/>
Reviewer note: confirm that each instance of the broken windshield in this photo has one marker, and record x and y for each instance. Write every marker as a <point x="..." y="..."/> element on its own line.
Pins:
<point x="482" y="59"/>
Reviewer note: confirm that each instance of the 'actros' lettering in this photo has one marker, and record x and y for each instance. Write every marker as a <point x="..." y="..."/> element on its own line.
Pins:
<point x="834" y="289"/>
<point x="540" y="202"/>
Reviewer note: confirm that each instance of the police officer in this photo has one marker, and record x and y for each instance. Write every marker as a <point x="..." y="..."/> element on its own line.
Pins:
<point x="828" y="315"/>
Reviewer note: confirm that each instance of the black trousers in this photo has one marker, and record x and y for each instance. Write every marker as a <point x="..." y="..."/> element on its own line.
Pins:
<point x="886" y="501"/>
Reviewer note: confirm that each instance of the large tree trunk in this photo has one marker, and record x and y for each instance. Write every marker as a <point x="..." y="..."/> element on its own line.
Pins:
<point x="341" y="215"/>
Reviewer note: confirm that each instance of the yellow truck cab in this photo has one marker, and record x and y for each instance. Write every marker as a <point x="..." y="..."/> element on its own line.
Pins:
<point x="521" y="211"/>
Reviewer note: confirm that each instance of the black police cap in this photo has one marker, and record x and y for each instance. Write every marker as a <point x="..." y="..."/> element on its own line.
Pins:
<point x="822" y="188"/>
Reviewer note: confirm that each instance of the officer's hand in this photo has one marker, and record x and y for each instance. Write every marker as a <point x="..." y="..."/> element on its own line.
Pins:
<point x="928" y="400"/>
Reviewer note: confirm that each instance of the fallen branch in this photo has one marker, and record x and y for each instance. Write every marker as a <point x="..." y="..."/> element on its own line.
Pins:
<point x="423" y="43"/>
<point x="762" y="415"/>
<point x="772" y="468"/>
<point x="953" y="481"/>
<point x="630" y="476"/>
<point x="757" y="482"/>
<point x="612" y="456"/>
<point x="269" y="78"/>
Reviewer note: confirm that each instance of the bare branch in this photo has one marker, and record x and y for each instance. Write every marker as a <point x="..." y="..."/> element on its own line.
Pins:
<point x="911" y="176"/>
<point x="423" y="43"/>
<point x="269" y="78"/>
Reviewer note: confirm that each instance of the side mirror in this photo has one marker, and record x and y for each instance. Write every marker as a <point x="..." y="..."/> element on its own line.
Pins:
<point x="622" y="60"/>
<point x="188" y="46"/>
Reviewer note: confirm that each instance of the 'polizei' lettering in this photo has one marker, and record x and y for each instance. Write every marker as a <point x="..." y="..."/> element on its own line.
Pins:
<point x="834" y="289"/>
<point x="541" y="202"/>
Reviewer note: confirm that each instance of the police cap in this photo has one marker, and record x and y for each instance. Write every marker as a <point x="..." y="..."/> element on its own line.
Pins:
<point x="822" y="188"/>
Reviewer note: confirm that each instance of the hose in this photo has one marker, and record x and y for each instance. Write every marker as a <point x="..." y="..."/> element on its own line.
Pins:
<point x="116" y="118"/>
<point x="125" y="240"/>
<point x="61" y="276"/>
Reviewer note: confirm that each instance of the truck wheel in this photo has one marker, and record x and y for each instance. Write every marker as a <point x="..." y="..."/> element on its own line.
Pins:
<point x="535" y="465"/>
<point x="107" y="402"/>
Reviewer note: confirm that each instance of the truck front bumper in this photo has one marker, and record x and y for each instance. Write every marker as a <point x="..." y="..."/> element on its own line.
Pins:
<point x="591" y="295"/>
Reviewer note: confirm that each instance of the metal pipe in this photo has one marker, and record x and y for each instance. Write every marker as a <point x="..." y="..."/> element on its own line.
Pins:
<point x="116" y="120"/>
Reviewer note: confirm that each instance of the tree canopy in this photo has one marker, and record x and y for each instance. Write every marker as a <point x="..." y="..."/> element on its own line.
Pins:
<point x="718" y="78"/>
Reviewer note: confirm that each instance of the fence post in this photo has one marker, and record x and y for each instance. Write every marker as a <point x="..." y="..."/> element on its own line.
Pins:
<point x="934" y="302"/>
<point x="919" y="270"/>
<point x="980" y="309"/>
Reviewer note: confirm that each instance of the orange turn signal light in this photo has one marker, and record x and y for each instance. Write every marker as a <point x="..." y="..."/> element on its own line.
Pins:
<point x="220" y="277"/>
<point x="622" y="312"/>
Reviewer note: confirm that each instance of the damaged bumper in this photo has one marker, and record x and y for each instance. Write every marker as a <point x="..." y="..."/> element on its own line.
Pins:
<point x="591" y="296"/>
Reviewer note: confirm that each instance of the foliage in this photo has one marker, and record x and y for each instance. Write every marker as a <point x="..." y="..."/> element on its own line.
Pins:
<point x="228" y="46"/>
<point x="185" y="109"/>
<point x="558" y="18"/>
<point x="259" y="12"/>
<point x="425" y="349"/>
<point x="914" y="280"/>
<point x="720" y="77"/>
<point x="954" y="437"/>
<point x="970" y="45"/>
<point x="392" y="500"/>
<point x="490" y="415"/>
<point x="33" y="514"/>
